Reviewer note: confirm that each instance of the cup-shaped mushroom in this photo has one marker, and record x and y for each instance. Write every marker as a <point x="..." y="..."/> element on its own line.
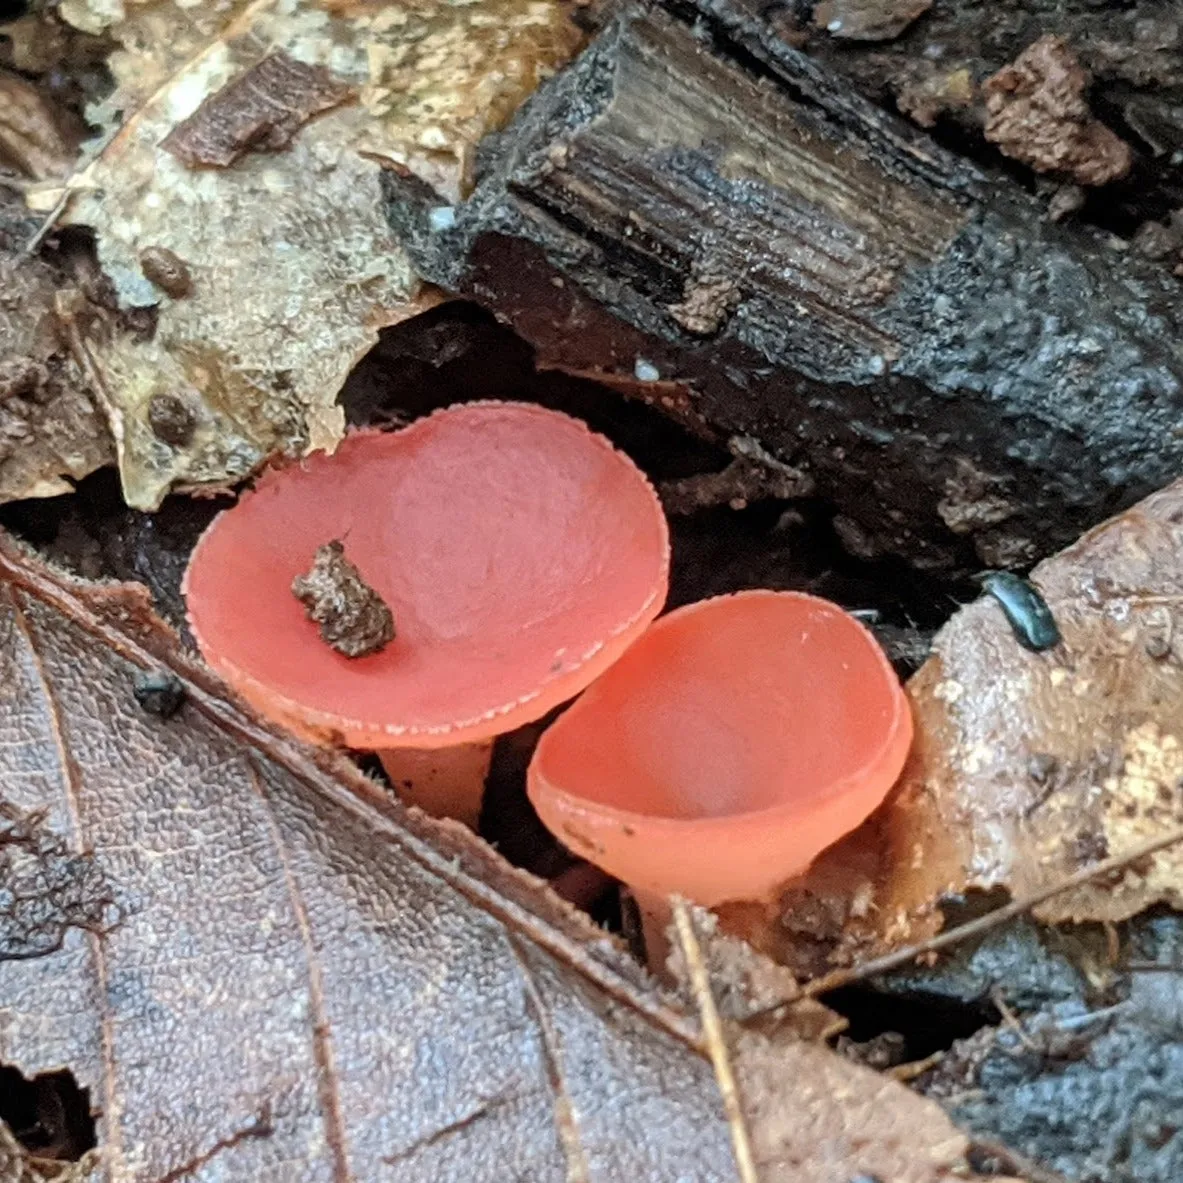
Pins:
<point x="731" y="744"/>
<point x="517" y="553"/>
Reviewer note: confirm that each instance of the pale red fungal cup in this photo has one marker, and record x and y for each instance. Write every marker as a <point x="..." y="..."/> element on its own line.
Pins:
<point x="733" y="742"/>
<point x="519" y="553"/>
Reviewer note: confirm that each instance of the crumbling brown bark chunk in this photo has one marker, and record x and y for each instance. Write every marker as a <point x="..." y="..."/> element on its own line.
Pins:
<point x="259" y="111"/>
<point x="894" y="320"/>
<point x="353" y="618"/>
<point x="1037" y="112"/>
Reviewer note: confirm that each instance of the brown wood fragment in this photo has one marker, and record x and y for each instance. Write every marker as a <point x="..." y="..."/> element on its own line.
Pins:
<point x="1037" y="112"/>
<point x="706" y="304"/>
<point x="353" y="618"/>
<point x="259" y="111"/>
<point x="753" y="475"/>
<point x="868" y="20"/>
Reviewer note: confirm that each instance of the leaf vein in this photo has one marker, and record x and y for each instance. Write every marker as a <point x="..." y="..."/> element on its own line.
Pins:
<point x="566" y="1121"/>
<point x="322" y="1043"/>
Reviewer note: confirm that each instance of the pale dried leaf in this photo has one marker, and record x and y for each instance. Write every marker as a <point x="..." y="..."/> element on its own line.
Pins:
<point x="293" y="266"/>
<point x="298" y="980"/>
<point x="1034" y="765"/>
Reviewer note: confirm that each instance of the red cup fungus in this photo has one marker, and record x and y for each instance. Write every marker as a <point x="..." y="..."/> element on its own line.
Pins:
<point x="518" y="552"/>
<point x="728" y="747"/>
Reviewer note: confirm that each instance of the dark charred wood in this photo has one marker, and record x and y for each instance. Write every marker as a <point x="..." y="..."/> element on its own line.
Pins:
<point x="717" y="223"/>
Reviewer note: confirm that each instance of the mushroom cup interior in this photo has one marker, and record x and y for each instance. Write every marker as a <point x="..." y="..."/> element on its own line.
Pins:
<point x="518" y="551"/>
<point x="730" y="745"/>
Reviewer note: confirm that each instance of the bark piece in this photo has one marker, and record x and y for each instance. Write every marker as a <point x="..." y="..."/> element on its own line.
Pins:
<point x="752" y="476"/>
<point x="352" y="617"/>
<point x="1036" y="112"/>
<point x="416" y="1009"/>
<point x="259" y="111"/>
<point x="897" y="313"/>
<point x="1133" y="51"/>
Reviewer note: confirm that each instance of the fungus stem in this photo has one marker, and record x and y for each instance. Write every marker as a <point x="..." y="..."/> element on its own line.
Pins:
<point x="443" y="782"/>
<point x="656" y="915"/>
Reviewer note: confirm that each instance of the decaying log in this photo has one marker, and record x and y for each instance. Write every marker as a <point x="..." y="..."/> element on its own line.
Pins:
<point x="700" y="209"/>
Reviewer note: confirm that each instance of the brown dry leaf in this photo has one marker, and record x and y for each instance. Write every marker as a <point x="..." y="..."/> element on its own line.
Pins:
<point x="293" y="268"/>
<point x="30" y="139"/>
<point x="814" y="1132"/>
<point x="295" y="979"/>
<point x="1028" y="767"/>
<point x="49" y="428"/>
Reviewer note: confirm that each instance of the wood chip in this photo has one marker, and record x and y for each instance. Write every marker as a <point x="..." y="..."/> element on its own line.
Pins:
<point x="259" y="111"/>
<point x="353" y="618"/>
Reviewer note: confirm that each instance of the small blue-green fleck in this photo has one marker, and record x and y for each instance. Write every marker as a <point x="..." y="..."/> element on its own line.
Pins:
<point x="646" y="371"/>
<point x="1026" y="611"/>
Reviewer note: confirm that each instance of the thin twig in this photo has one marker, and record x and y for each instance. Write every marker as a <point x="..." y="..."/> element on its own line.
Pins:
<point x="74" y="183"/>
<point x="974" y="928"/>
<point x="107" y="404"/>
<point x="1011" y="1020"/>
<point x="47" y="223"/>
<point x="712" y="1028"/>
<point x="1012" y="1160"/>
<point x="1153" y="967"/>
<point x="914" y="1068"/>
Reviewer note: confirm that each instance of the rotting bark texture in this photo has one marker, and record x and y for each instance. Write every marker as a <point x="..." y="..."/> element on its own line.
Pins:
<point x="891" y="322"/>
<point x="294" y="979"/>
<point x="933" y="73"/>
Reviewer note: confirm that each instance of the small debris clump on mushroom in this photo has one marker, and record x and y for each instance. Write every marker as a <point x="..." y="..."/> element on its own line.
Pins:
<point x="353" y="618"/>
